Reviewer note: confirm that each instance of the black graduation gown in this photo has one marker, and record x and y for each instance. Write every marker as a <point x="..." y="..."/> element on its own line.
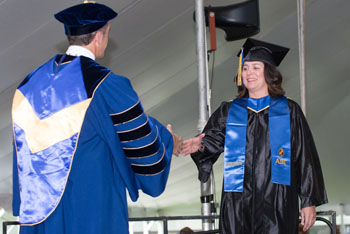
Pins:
<point x="264" y="207"/>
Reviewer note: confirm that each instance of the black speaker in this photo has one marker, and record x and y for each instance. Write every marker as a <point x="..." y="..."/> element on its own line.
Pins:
<point x="240" y="20"/>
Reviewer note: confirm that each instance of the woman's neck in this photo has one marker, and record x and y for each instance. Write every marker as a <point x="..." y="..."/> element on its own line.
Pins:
<point x="258" y="94"/>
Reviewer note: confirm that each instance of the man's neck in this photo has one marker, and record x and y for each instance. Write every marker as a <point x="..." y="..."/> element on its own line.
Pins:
<point x="75" y="50"/>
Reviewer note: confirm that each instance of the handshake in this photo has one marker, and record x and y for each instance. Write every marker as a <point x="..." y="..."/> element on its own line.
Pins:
<point x="185" y="147"/>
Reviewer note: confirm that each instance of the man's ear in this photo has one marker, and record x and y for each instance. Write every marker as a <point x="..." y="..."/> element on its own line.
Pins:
<point x="98" y="37"/>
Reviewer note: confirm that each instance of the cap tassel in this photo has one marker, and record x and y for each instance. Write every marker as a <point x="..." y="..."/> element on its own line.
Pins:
<point x="88" y="1"/>
<point x="239" y="72"/>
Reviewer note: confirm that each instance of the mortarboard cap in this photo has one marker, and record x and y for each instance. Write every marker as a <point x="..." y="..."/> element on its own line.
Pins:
<point x="255" y="50"/>
<point x="85" y="18"/>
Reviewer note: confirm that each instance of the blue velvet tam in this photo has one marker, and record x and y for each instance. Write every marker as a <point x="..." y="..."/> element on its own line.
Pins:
<point x="85" y="18"/>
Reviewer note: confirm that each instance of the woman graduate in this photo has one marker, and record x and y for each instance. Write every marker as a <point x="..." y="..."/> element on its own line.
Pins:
<point x="270" y="158"/>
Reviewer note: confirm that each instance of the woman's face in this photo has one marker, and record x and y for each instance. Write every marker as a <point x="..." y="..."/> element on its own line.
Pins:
<point x="254" y="79"/>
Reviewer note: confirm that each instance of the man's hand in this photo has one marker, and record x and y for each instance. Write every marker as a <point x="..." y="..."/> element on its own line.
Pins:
<point x="308" y="217"/>
<point x="191" y="145"/>
<point x="177" y="141"/>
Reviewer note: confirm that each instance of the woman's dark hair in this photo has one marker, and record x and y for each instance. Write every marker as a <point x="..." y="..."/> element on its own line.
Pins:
<point x="273" y="79"/>
<point x="186" y="230"/>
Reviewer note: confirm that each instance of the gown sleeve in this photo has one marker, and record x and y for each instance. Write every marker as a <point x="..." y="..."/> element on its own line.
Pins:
<point x="213" y="143"/>
<point x="311" y="188"/>
<point x="146" y="144"/>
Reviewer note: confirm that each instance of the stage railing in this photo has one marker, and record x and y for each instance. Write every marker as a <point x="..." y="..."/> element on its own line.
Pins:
<point x="165" y="219"/>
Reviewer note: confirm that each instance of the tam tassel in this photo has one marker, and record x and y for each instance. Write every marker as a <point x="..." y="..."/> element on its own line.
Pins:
<point x="239" y="72"/>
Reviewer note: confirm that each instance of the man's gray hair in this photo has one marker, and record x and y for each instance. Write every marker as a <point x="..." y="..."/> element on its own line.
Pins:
<point x="85" y="39"/>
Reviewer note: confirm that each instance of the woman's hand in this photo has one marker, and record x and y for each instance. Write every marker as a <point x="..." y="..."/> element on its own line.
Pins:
<point x="191" y="145"/>
<point x="308" y="217"/>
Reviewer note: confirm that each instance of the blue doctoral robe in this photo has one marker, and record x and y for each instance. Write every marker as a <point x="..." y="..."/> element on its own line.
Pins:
<point x="118" y="148"/>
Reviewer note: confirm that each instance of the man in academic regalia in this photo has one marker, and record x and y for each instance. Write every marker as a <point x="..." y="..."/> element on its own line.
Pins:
<point x="270" y="158"/>
<point x="81" y="138"/>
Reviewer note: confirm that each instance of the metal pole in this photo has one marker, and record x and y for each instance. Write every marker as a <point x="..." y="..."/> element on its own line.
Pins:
<point x="4" y="228"/>
<point x="165" y="226"/>
<point x="342" y="225"/>
<point x="334" y="222"/>
<point x="301" y="37"/>
<point x="203" y="104"/>
<point x="201" y="67"/>
<point x="207" y="198"/>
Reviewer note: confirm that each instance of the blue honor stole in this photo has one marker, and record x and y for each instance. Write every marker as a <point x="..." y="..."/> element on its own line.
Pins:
<point x="235" y="140"/>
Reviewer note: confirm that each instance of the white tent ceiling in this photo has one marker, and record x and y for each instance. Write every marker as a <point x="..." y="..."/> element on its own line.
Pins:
<point x="153" y="43"/>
